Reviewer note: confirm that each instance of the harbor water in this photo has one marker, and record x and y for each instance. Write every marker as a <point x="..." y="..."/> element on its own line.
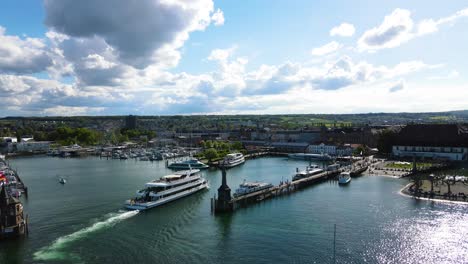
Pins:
<point x="83" y="221"/>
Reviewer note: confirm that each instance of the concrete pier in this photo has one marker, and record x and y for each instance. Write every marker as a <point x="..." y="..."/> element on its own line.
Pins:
<point x="221" y="204"/>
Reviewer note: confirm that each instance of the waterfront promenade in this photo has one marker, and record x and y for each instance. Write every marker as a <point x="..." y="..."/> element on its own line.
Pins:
<point x="456" y="192"/>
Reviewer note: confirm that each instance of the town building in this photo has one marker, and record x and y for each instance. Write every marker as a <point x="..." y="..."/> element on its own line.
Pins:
<point x="290" y="147"/>
<point x="332" y="150"/>
<point x="432" y="141"/>
<point x="33" y="146"/>
<point x="364" y="135"/>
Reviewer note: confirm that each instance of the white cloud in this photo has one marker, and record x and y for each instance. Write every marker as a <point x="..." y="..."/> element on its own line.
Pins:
<point x="395" y="29"/>
<point x="218" y="17"/>
<point x="398" y="28"/>
<point x="71" y="110"/>
<point x="159" y="24"/>
<point x="113" y="75"/>
<point x="221" y="54"/>
<point x="428" y="26"/>
<point x="326" y="49"/>
<point x="343" y="30"/>
<point x="400" y="85"/>
<point x="22" y="55"/>
<point x="451" y="75"/>
<point x="230" y="77"/>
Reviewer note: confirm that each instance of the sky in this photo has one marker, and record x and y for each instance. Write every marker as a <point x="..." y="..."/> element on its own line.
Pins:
<point x="165" y="57"/>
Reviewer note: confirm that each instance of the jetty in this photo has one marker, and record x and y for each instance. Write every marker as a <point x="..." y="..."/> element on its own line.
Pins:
<point x="224" y="202"/>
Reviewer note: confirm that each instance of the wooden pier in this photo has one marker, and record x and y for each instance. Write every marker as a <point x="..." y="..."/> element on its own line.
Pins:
<point x="224" y="202"/>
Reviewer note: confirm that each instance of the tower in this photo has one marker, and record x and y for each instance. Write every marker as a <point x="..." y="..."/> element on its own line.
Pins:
<point x="224" y="195"/>
<point x="12" y="221"/>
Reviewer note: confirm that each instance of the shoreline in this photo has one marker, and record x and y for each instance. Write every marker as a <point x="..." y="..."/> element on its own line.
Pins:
<point x="405" y="192"/>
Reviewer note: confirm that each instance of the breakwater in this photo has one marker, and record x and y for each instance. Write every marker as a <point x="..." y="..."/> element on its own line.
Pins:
<point x="225" y="203"/>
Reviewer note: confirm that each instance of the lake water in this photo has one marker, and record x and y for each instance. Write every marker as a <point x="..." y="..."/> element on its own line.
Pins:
<point x="83" y="221"/>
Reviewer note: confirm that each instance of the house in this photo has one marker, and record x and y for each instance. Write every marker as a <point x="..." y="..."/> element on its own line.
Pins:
<point x="432" y="141"/>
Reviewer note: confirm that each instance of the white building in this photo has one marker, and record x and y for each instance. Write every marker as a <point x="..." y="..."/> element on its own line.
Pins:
<point x="431" y="152"/>
<point x="331" y="150"/>
<point x="33" y="146"/>
<point x="432" y="141"/>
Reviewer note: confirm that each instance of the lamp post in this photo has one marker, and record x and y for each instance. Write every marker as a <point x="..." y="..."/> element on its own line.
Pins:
<point x="431" y="178"/>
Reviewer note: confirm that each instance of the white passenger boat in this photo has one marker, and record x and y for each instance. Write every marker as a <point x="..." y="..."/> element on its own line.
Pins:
<point x="309" y="156"/>
<point x="232" y="160"/>
<point x="309" y="171"/>
<point x="344" y="177"/>
<point x="166" y="189"/>
<point x="187" y="164"/>
<point x="250" y="187"/>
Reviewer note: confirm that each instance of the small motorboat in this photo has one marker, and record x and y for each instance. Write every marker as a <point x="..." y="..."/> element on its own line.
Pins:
<point x="62" y="181"/>
<point x="344" y="178"/>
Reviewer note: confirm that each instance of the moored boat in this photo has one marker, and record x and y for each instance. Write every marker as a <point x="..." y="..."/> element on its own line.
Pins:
<point x="309" y="171"/>
<point x="344" y="177"/>
<point x="232" y="160"/>
<point x="187" y="165"/>
<point x="310" y="156"/>
<point x="250" y="187"/>
<point x="166" y="189"/>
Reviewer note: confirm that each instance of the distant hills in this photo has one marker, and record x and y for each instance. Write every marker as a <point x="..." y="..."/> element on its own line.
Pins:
<point x="287" y="121"/>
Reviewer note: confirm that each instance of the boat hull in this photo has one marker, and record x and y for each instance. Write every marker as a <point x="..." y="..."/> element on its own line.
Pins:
<point x="233" y="164"/>
<point x="310" y="157"/>
<point x="177" y="167"/>
<point x="344" y="182"/>
<point x="148" y="205"/>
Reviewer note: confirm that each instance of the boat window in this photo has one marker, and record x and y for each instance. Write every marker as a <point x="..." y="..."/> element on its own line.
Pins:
<point x="156" y="189"/>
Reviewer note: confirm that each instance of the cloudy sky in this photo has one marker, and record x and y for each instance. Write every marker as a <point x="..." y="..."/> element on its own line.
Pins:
<point x="151" y="57"/>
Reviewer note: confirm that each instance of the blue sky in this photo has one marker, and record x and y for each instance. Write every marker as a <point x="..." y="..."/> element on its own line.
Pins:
<point x="65" y="57"/>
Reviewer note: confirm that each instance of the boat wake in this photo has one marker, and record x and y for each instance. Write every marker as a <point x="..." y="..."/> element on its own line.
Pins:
<point x="56" y="250"/>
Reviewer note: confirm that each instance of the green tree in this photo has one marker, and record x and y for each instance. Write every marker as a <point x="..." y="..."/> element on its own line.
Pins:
<point x="237" y="145"/>
<point x="211" y="154"/>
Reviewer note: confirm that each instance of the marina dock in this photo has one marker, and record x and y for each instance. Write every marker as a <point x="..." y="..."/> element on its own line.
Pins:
<point x="226" y="203"/>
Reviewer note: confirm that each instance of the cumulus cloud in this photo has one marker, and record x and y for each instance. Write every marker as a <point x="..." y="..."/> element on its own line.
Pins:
<point x="326" y="49"/>
<point x="230" y="77"/>
<point x="395" y="29"/>
<point x="397" y="87"/>
<point x="22" y="55"/>
<point x="71" y="110"/>
<point x="274" y="80"/>
<point x="343" y="30"/>
<point x="451" y="75"/>
<point x="218" y="17"/>
<point x="110" y="73"/>
<point x="398" y="28"/>
<point x="135" y="32"/>
<point x="427" y="26"/>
